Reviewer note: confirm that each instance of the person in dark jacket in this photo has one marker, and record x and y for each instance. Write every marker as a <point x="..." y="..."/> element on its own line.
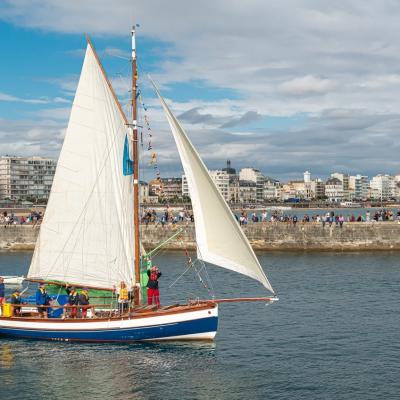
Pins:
<point x="73" y="300"/>
<point x="15" y="300"/>
<point x="152" y="286"/>
<point x="2" y="291"/>
<point x="42" y="299"/>
<point x="84" y="301"/>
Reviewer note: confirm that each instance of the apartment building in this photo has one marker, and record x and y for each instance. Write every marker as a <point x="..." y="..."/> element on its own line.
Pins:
<point x="26" y="178"/>
<point x="166" y="188"/>
<point x="221" y="180"/>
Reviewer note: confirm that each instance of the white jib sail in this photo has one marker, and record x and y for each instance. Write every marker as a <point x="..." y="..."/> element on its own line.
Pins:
<point x="86" y="237"/>
<point x="220" y="239"/>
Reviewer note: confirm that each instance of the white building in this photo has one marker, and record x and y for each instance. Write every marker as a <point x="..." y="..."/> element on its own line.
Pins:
<point x="220" y="178"/>
<point x="254" y="175"/>
<point x="270" y="188"/>
<point x="358" y="187"/>
<point x="317" y="188"/>
<point x="144" y="194"/>
<point x="334" y="189"/>
<point x="307" y="177"/>
<point x="382" y="187"/>
<point x="344" y="178"/>
<point x="247" y="191"/>
<point x="234" y="192"/>
<point x="23" y="178"/>
<point x="397" y="190"/>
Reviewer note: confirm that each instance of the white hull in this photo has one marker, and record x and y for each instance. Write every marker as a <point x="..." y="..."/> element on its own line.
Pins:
<point x="193" y="324"/>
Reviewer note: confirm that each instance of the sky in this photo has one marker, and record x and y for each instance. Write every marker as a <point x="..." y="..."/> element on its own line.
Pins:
<point x="282" y="86"/>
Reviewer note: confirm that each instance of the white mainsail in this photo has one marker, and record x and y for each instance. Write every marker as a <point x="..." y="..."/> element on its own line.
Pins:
<point x="86" y="237"/>
<point x="220" y="239"/>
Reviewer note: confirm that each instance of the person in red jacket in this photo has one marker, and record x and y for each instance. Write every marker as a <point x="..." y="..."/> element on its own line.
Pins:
<point x="152" y="286"/>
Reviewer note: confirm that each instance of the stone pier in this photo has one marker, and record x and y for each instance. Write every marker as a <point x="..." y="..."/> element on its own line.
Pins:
<point x="263" y="236"/>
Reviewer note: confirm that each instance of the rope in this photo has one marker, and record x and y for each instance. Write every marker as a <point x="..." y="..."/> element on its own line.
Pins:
<point x="208" y="278"/>
<point x="180" y="276"/>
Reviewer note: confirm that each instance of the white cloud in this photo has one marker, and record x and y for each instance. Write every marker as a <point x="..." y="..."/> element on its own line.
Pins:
<point x="114" y="52"/>
<point x="67" y="83"/>
<point x="307" y="85"/>
<point x="44" y="100"/>
<point x="41" y="137"/>
<point x="53" y="113"/>
<point x="7" y="97"/>
<point x="337" y="62"/>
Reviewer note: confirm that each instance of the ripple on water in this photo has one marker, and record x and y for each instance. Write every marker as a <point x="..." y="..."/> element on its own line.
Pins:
<point x="334" y="334"/>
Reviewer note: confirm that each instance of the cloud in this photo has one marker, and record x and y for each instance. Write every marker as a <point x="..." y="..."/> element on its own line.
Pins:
<point x="114" y="52"/>
<point x="337" y="64"/>
<point x="7" y="97"/>
<point x="67" y="83"/>
<point x="76" y="52"/>
<point x="44" y="100"/>
<point x="31" y="137"/>
<point x="249" y="116"/>
<point x="194" y="116"/>
<point x="53" y="113"/>
<point x="306" y="86"/>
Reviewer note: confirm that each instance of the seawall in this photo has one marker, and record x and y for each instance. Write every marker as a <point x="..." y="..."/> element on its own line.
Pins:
<point x="263" y="236"/>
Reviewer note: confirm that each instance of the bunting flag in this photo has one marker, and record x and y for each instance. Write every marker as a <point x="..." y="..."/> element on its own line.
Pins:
<point x="148" y="130"/>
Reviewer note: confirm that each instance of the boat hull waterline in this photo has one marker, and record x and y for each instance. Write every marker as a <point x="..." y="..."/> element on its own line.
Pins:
<point x="186" y="325"/>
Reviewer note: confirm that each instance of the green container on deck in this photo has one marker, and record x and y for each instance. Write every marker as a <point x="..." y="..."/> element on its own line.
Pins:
<point x="143" y="285"/>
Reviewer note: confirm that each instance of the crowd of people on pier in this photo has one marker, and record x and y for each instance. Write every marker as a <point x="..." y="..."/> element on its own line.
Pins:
<point x="327" y="218"/>
<point x="244" y="217"/>
<point x="166" y="217"/>
<point x="9" y="219"/>
<point x="185" y="216"/>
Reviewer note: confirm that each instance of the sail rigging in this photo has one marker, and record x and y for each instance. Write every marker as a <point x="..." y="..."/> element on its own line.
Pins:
<point x="220" y="240"/>
<point x="86" y="237"/>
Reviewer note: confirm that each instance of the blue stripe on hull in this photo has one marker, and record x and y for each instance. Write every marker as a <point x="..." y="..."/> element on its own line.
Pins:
<point x="203" y="325"/>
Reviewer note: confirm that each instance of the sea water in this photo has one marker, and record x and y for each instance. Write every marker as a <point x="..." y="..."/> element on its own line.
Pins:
<point x="334" y="334"/>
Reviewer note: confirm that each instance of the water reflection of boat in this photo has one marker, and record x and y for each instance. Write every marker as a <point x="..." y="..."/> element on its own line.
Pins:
<point x="6" y="356"/>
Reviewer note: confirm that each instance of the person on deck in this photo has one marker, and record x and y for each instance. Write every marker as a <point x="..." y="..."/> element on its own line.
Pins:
<point x="123" y="298"/>
<point x="42" y="299"/>
<point x="84" y="301"/>
<point x="15" y="300"/>
<point x="2" y="291"/>
<point x="152" y="286"/>
<point x="73" y="300"/>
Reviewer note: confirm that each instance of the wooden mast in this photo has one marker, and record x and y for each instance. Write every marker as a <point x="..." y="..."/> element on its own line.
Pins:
<point x="135" y="172"/>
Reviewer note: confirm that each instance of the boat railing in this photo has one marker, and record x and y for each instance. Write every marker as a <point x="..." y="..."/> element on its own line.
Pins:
<point x="92" y="311"/>
<point x="30" y="310"/>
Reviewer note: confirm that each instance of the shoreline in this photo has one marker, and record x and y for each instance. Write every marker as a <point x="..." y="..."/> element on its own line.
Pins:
<point x="263" y="237"/>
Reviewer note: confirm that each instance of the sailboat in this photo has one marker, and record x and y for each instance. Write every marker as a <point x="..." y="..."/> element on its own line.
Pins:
<point x="90" y="234"/>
